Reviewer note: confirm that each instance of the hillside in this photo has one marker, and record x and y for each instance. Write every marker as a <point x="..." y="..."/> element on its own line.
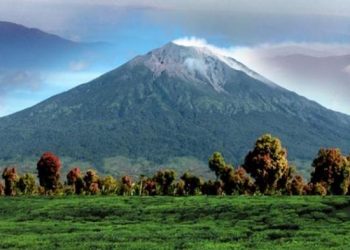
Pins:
<point x="29" y="48"/>
<point x="173" y="102"/>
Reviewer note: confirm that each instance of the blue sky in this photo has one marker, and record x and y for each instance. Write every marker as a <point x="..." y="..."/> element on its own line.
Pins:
<point x="251" y="30"/>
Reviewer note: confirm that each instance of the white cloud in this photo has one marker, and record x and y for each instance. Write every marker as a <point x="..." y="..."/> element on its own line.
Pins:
<point x="347" y="69"/>
<point x="313" y="70"/>
<point x="11" y="80"/>
<point x="78" y="65"/>
<point x="202" y="43"/>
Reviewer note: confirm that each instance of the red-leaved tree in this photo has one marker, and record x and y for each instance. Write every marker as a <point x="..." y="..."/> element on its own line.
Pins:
<point x="48" y="168"/>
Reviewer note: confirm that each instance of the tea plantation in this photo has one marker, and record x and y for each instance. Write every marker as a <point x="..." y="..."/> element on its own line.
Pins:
<point x="196" y="222"/>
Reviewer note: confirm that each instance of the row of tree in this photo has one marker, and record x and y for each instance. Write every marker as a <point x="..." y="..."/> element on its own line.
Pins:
<point x="265" y="171"/>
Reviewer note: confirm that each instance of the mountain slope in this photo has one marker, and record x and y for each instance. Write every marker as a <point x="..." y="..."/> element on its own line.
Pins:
<point x="172" y="102"/>
<point x="23" y="47"/>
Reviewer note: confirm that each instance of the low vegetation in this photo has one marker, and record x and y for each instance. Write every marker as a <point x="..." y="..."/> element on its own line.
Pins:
<point x="265" y="171"/>
<point x="164" y="222"/>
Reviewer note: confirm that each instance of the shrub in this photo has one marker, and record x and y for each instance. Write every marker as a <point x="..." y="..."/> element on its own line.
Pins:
<point x="296" y="186"/>
<point x="212" y="188"/>
<point x="109" y="185"/>
<point x="26" y="184"/>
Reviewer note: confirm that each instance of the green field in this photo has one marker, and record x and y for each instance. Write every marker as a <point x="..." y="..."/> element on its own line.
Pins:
<point x="235" y="222"/>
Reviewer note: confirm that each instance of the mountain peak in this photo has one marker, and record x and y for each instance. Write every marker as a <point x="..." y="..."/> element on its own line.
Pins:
<point x="200" y="65"/>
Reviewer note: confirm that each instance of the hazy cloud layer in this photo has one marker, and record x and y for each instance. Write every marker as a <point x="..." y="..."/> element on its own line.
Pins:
<point x="318" y="71"/>
<point x="11" y="80"/>
<point x="235" y="21"/>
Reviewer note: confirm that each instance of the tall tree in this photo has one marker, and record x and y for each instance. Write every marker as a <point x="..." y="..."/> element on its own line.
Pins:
<point x="217" y="163"/>
<point x="48" y="168"/>
<point x="91" y="180"/>
<point x="127" y="186"/>
<point x="267" y="163"/>
<point x="75" y="179"/>
<point x="192" y="183"/>
<point x="1" y="189"/>
<point x="332" y="169"/>
<point x="10" y="176"/>
<point x="164" y="179"/>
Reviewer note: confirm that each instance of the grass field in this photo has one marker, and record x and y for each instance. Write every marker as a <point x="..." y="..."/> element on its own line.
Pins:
<point x="236" y="222"/>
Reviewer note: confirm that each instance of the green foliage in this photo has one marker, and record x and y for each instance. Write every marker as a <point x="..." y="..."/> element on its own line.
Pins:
<point x="163" y="222"/>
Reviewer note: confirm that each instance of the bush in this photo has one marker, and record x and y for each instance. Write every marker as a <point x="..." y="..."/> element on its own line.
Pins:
<point x="26" y="184"/>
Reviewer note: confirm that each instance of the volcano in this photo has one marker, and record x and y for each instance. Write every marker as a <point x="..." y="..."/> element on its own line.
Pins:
<point x="175" y="101"/>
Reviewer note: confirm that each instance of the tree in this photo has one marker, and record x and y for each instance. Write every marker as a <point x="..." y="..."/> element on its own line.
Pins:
<point x="48" y="168"/>
<point x="192" y="183"/>
<point x="180" y="188"/>
<point x="141" y="185"/>
<point x="333" y="170"/>
<point x="75" y="180"/>
<point x="11" y="178"/>
<point x="26" y="184"/>
<point x="150" y="187"/>
<point x="1" y="189"/>
<point x="236" y="181"/>
<point x="109" y="185"/>
<point x="267" y="163"/>
<point x="212" y="188"/>
<point x="164" y="179"/>
<point x="296" y="185"/>
<point x="127" y="185"/>
<point x="217" y="163"/>
<point x="91" y="180"/>
<point x="318" y="188"/>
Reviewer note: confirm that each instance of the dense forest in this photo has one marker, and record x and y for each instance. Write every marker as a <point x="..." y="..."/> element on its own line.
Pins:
<point x="265" y="171"/>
